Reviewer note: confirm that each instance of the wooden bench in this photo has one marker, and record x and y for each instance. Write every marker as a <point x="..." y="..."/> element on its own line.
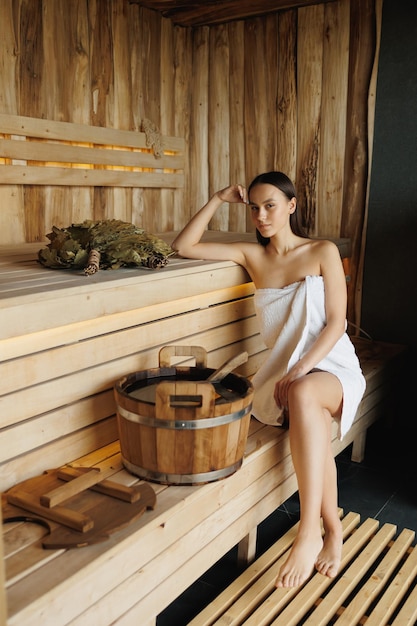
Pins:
<point x="375" y="585"/>
<point x="135" y="574"/>
<point x="67" y="338"/>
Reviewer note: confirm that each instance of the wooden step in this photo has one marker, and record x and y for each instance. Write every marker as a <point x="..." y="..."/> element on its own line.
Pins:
<point x="376" y="585"/>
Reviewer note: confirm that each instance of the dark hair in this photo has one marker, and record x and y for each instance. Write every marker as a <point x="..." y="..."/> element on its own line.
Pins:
<point x="284" y="184"/>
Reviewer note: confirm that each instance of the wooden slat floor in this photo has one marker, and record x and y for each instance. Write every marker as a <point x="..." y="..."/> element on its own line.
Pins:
<point x="376" y="584"/>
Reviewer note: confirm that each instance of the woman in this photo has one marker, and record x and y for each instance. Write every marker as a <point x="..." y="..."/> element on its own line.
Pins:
<point x="312" y="374"/>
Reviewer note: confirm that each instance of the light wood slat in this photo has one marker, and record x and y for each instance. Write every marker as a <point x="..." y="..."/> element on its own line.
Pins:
<point x="3" y="600"/>
<point x="161" y="172"/>
<point x="58" y="153"/>
<point x="313" y="589"/>
<point x="27" y="562"/>
<point x="237" y="589"/>
<point x="31" y="175"/>
<point x="407" y="616"/>
<point x="395" y="592"/>
<point x="258" y="574"/>
<point x="358" y="606"/>
<point x="43" y="366"/>
<point x="67" y="131"/>
<point x="351" y="577"/>
<point x="253" y="600"/>
<point x="244" y="608"/>
<point x="257" y="592"/>
<point x="78" y="331"/>
<point x="61" y="450"/>
<point x="60" y="422"/>
<point x="100" y="376"/>
<point x="90" y="299"/>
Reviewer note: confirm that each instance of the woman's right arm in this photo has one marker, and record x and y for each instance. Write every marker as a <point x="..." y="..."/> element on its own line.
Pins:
<point x="187" y="243"/>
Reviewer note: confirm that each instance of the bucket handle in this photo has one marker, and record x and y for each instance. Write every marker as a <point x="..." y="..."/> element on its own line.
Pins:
<point x="184" y="400"/>
<point x="167" y="352"/>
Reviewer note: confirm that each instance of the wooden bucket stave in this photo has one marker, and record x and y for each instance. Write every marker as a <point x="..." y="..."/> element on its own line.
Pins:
<point x="188" y="435"/>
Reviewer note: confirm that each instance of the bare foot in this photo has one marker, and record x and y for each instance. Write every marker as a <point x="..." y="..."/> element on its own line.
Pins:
<point x="300" y="563"/>
<point x="328" y="561"/>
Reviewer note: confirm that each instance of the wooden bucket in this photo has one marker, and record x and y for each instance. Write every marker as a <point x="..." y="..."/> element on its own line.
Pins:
<point x="177" y="428"/>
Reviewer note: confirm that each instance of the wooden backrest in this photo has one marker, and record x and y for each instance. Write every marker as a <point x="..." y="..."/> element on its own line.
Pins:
<point x="43" y="152"/>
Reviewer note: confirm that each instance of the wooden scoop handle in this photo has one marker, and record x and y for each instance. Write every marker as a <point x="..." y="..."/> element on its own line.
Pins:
<point x="228" y="367"/>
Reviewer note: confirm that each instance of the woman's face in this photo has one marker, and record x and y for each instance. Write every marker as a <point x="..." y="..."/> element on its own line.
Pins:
<point x="270" y="209"/>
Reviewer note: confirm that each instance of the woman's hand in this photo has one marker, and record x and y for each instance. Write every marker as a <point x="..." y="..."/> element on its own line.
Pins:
<point x="188" y="242"/>
<point x="283" y="385"/>
<point x="233" y="193"/>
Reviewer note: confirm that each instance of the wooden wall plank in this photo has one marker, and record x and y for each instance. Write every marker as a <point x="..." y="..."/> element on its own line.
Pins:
<point x="218" y="120"/>
<point x="273" y="73"/>
<point x="237" y="213"/>
<point x="12" y="215"/>
<point x="137" y="68"/>
<point x="333" y="116"/>
<point x="198" y="171"/>
<point x="257" y="137"/>
<point x="165" y="213"/>
<point x="115" y="63"/>
<point x="101" y="59"/>
<point x="358" y="133"/>
<point x="61" y="153"/>
<point x="68" y="131"/>
<point x="182" y="123"/>
<point x="9" y="57"/>
<point x="286" y="96"/>
<point x="28" y="175"/>
<point x="355" y="299"/>
<point x="119" y="115"/>
<point x="309" y="83"/>
<point x="150" y="35"/>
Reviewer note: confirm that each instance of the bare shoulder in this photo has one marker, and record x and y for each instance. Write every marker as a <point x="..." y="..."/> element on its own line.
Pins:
<point x="324" y="248"/>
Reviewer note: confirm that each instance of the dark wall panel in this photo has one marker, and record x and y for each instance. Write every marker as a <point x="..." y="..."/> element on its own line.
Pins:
<point x="389" y="305"/>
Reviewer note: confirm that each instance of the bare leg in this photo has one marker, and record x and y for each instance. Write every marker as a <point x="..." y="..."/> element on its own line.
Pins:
<point x="328" y="561"/>
<point x="310" y="421"/>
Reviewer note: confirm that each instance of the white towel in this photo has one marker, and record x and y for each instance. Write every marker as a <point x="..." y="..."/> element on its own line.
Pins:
<point x="290" y="320"/>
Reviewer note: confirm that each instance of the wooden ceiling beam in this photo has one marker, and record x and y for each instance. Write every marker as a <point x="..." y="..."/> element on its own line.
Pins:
<point x="192" y="13"/>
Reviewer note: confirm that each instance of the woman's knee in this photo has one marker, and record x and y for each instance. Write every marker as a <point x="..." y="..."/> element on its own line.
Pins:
<point x="315" y="392"/>
<point x="302" y="393"/>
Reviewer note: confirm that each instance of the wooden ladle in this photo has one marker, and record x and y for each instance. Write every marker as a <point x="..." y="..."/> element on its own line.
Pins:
<point x="227" y="367"/>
